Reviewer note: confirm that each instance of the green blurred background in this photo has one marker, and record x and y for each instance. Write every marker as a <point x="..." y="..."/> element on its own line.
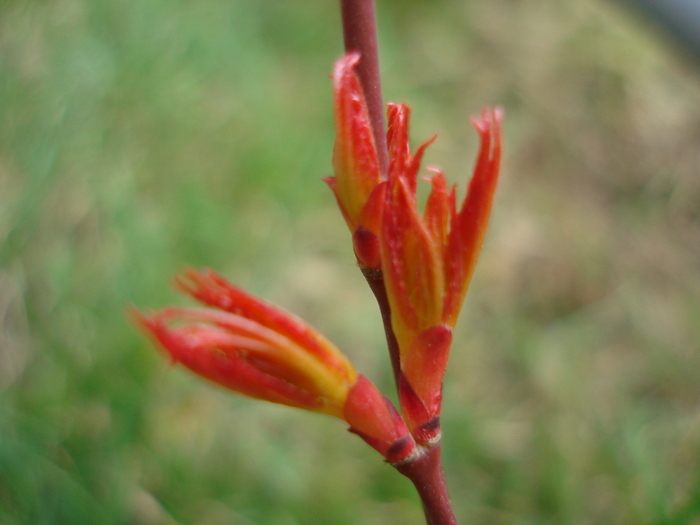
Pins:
<point x="141" y="136"/>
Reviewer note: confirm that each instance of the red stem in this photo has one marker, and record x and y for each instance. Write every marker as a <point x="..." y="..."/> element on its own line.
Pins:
<point x="375" y="279"/>
<point x="360" y="34"/>
<point x="428" y="477"/>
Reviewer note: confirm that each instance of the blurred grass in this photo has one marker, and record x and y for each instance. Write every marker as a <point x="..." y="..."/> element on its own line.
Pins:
<point x="142" y="136"/>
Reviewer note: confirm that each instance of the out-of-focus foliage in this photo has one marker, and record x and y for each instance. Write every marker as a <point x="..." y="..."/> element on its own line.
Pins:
<point x="140" y="136"/>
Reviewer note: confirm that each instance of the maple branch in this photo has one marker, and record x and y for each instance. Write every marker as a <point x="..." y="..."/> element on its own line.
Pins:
<point x="360" y="34"/>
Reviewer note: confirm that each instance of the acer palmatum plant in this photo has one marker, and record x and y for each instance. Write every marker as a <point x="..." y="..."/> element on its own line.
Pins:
<point x="418" y="264"/>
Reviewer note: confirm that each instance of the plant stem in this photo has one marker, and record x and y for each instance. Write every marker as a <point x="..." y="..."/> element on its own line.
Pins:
<point x="427" y="475"/>
<point x="360" y="34"/>
<point x="375" y="280"/>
